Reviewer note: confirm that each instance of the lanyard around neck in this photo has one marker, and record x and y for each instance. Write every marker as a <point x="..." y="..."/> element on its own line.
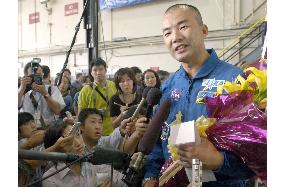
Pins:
<point x="100" y="93"/>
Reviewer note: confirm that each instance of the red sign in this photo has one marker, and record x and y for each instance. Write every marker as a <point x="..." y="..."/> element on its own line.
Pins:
<point x="155" y="68"/>
<point x="34" y="18"/>
<point x="71" y="9"/>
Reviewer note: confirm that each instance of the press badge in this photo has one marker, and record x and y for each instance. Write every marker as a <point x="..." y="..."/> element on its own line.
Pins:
<point x="202" y="94"/>
<point x="37" y="118"/>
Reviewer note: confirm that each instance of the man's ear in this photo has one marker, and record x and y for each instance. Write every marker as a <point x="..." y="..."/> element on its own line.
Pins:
<point x="205" y="30"/>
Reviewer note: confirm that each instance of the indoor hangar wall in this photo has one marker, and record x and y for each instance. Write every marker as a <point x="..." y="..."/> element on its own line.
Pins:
<point x="129" y="36"/>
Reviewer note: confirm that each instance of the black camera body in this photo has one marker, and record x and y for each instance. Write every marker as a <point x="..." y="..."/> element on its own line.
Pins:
<point x="36" y="78"/>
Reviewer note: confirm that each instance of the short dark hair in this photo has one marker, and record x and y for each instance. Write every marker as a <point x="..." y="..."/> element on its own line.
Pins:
<point x="187" y="6"/>
<point x="53" y="133"/>
<point x="78" y="75"/>
<point x="30" y="64"/>
<point x="46" y="71"/>
<point x="163" y="73"/>
<point x="83" y="115"/>
<point x="23" y="118"/>
<point x="136" y="70"/>
<point x="158" y="81"/>
<point x="85" y="78"/>
<point x="124" y="71"/>
<point x="67" y="70"/>
<point x="97" y="62"/>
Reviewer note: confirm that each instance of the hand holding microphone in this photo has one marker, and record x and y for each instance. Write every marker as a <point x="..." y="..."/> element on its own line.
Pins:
<point x="127" y="127"/>
<point x="142" y="102"/>
<point x="141" y="126"/>
<point x="151" y="96"/>
<point x="148" y="140"/>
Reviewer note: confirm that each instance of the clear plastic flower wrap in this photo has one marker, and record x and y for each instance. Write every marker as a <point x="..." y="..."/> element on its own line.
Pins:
<point x="241" y="128"/>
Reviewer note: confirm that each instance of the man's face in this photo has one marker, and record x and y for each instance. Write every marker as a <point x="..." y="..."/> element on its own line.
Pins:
<point x="183" y="34"/>
<point x="92" y="128"/>
<point x="27" y="129"/>
<point x="38" y="71"/>
<point x="99" y="73"/>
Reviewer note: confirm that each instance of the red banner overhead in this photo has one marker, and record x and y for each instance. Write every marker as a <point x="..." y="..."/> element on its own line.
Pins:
<point x="71" y="9"/>
<point x="34" y="18"/>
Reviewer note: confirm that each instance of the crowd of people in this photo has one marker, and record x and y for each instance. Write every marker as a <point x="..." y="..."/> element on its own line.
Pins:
<point x="99" y="104"/>
<point x="44" y="122"/>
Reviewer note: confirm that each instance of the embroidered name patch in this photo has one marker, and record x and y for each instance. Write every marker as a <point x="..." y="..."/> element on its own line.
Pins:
<point x="212" y="83"/>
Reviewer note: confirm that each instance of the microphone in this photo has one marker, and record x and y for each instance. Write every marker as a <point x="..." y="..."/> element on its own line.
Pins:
<point x="153" y="97"/>
<point x="148" y="141"/>
<point x="129" y="112"/>
<point x="142" y="102"/>
<point x="118" y="159"/>
<point x="99" y="156"/>
<point x="151" y="136"/>
<point x="139" y="108"/>
<point x="50" y="156"/>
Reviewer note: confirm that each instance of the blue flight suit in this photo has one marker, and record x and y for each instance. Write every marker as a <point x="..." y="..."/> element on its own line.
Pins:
<point x="186" y="94"/>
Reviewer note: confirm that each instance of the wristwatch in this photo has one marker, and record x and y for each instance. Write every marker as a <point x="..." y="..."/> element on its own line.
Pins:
<point x="46" y="96"/>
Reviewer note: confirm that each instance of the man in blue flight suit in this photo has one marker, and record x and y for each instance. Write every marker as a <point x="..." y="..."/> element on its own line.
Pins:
<point x="199" y="75"/>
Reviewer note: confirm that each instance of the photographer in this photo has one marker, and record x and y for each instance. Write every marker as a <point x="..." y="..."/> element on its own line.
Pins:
<point x="33" y="96"/>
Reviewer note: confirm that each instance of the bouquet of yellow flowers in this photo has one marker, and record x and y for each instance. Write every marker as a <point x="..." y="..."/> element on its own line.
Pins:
<point x="256" y="81"/>
<point x="241" y="125"/>
<point x="236" y="121"/>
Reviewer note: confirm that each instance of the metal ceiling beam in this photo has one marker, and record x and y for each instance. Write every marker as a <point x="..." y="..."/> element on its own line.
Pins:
<point x="133" y="42"/>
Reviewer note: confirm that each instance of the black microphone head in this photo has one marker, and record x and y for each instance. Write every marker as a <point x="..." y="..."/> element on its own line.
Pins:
<point x="152" y="134"/>
<point x="145" y="92"/>
<point x="153" y="97"/>
<point x="119" y="159"/>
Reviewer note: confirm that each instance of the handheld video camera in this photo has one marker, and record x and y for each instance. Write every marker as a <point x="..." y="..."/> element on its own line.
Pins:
<point x="36" y="78"/>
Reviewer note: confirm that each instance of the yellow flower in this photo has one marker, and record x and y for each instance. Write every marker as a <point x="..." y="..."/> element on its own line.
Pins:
<point x="203" y="124"/>
<point x="173" y="152"/>
<point x="259" y="77"/>
<point x="173" y="149"/>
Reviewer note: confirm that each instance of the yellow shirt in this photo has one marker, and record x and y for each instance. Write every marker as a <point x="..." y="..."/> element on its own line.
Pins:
<point x="86" y="100"/>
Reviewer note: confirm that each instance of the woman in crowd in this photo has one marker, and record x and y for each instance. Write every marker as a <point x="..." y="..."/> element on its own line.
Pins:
<point x="64" y="87"/>
<point x="150" y="79"/>
<point x="126" y="97"/>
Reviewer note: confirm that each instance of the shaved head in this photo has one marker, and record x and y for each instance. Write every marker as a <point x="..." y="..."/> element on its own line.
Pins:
<point x="184" y="7"/>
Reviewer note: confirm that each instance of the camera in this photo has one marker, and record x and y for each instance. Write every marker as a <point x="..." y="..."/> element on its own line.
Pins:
<point x="103" y="111"/>
<point x="36" y="78"/>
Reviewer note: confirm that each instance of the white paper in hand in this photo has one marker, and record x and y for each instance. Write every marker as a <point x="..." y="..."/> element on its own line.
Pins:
<point x="187" y="133"/>
<point x="184" y="133"/>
